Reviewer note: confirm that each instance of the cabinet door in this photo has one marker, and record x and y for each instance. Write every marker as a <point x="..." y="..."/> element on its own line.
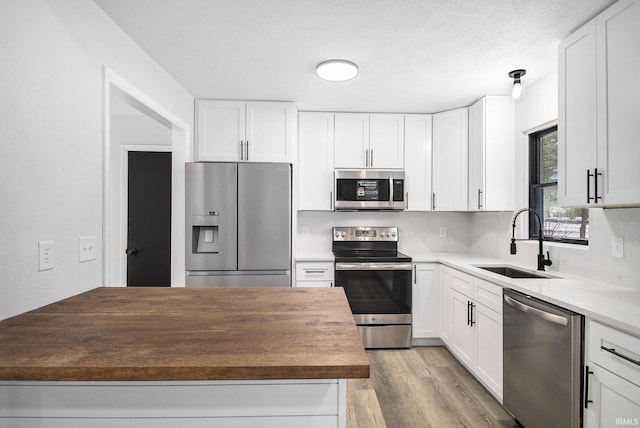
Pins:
<point x="450" y="157"/>
<point x="618" y="38"/>
<point x="417" y="161"/>
<point x="488" y="347"/>
<point x="220" y="130"/>
<point x="351" y="139"/>
<point x="577" y="121"/>
<point x="426" y="301"/>
<point x="446" y="306"/>
<point x="270" y="131"/>
<point x="386" y="141"/>
<point x="461" y="332"/>
<point x="315" y="161"/>
<point x="477" y="155"/>
<point x="615" y="401"/>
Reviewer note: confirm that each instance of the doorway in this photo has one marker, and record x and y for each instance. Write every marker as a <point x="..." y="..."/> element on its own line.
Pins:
<point x="149" y="219"/>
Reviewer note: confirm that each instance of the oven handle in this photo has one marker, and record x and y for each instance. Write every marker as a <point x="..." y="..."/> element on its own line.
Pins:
<point x="373" y="266"/>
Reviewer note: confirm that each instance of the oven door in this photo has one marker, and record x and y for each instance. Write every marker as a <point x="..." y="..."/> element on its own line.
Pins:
<point x="378" y="293"/>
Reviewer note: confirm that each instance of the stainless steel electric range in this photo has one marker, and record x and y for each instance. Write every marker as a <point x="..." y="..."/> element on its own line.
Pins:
<point x="377" y="281"/>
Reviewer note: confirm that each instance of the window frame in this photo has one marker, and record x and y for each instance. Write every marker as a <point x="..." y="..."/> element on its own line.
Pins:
<point x="535" y="175"/>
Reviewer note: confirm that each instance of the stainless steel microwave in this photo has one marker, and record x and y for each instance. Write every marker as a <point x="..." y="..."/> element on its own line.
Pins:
<point x="369" y="190"/>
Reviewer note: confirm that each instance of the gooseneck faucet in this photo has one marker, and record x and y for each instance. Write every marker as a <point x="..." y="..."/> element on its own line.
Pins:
<point x="542" y="260"/>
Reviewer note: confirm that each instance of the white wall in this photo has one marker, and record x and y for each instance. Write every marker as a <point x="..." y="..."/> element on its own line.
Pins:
<point x="491" y="232"/>
<point x="53" y="52"/>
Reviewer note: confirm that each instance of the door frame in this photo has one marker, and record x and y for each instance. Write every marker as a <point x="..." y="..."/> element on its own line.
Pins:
<point x="114" y="271"/>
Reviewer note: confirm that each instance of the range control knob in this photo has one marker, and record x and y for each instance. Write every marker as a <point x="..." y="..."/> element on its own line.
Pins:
<point x="393" y="234"/>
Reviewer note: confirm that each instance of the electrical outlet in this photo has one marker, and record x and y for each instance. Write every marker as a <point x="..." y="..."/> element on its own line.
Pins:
<point x="305" y="230"/>
<point x="86" y="248"/>
<point x="45" y="255"/>
<point x="443" y="232"/>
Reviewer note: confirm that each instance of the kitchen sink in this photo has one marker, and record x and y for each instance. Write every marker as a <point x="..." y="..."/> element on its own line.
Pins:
<point x="513" y="272"/>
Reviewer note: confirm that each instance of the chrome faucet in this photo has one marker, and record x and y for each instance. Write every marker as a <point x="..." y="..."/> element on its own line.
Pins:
<point x="542" y="260"/>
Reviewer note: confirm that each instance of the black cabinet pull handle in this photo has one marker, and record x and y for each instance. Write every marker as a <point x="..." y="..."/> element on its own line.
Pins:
<point x="471" y="314"/>
<point x="468" y="312"/>
<point x="618" y="354"/>
<point x="595" y="184"/>
<point x="589" y="175"/>
<point x="587" y="372"/>
<point x="415" y="275"/>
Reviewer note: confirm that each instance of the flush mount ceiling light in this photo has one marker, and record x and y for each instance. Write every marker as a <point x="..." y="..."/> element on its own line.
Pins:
<point x="337" y="70"/>
<point x="516" y="91"/>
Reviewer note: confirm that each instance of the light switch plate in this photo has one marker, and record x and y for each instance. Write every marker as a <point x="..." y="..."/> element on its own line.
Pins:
<point x="617" y="247"/>
<point x="45" y="255"/>
<point x="86" y="248"/>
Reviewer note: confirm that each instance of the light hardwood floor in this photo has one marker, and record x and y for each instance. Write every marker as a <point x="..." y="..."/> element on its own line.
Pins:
<point x="421" y="387"/>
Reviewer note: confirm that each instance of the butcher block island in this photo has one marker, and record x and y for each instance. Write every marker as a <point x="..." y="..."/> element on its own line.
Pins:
<point x="234" y="357"/>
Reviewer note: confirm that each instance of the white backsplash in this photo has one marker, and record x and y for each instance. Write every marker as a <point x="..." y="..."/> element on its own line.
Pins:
<point x="418" y="231"/>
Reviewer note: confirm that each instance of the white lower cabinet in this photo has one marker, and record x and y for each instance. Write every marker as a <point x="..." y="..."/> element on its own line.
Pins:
<point x="472" y="325"/>
<point x="425" y="301"/>
<point x="314" y="274"/>
<point x="612" y="384"/>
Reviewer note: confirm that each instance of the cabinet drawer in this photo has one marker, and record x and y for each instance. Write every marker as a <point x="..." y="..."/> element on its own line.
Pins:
<point x="488" y="294"/>
<point x="314" y="271"/>
<point x="620" y="349"/>
<point x="462" y="282"/>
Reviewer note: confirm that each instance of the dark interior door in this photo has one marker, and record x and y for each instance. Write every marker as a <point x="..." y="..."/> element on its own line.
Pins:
<point x="149" y="219"/>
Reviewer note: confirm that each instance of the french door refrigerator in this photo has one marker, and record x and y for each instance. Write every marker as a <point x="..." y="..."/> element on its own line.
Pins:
<point x="238" y="224"/>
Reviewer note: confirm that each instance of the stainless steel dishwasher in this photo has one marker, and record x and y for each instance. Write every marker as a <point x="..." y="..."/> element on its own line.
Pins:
<point x="542" y="352"/>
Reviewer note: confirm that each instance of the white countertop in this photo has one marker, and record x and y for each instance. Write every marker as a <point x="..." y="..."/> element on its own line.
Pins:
<point x="614" y="305"/>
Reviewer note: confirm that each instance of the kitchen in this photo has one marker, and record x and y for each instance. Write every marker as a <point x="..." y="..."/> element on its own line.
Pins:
<point x="53" y="111"/>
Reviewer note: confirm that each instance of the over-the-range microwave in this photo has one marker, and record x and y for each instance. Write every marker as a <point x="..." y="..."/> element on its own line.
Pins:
<point x="369" y="190"/>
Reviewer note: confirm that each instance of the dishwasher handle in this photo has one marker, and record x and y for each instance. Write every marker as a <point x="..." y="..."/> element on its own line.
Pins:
<point x="556" y="319"/>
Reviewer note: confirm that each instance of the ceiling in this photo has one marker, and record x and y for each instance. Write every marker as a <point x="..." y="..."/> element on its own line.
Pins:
<point x="414" y="55"/>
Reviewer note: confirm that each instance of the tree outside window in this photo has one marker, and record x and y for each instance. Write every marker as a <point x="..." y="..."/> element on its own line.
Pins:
<point x="569" y="225"/>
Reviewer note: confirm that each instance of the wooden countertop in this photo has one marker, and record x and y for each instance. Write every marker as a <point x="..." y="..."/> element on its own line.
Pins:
<point x="150" y="334"/>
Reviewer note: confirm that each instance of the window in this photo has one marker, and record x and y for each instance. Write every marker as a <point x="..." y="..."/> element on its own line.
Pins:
<point x="570" y="225"/>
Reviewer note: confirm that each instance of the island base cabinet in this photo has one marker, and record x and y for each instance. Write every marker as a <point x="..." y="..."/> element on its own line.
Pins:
<point x="613" y="401"/>
<point x="237" y="404"/>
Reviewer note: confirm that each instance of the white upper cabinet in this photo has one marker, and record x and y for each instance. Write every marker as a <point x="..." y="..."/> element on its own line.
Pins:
<point x="386" y="141"/>
<point x="417" y="161"/>
<point x="315" y="161"/>
<point x="232" y="131"/>
<point x="450" y="157"/>
<point x="491" y="154"/>
<point x="618" y="36"/>
<point x="351" y="140"/>
<point x="369" y="141"/>
<point x="599" y="110"/>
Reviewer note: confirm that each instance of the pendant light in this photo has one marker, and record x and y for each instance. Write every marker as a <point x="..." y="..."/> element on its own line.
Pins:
<point x="516" y="91"/>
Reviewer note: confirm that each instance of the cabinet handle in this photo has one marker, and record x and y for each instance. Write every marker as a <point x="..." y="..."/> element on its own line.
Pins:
<point x="241" y="150"/>
<point x="471" y="315"/>
<point x="618" y="354"/>
<point x="406" y="197"/>
<point x="433" y="201"/>
<point x="320" y="271"/>
<point x="247" y="143"/>
<point x="330" y="201"/>
<point x="595" y="184"/>
<point x="414" y="274"/>
<point x="468" y="312"/>
<point x="479" y="199"/>
<point x="366" y="157"/>
<point x="589" y="175"/>
<point x="587" y="372"/>
<point x="371" y="158"/>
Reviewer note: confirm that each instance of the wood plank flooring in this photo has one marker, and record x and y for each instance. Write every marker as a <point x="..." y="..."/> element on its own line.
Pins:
<point x="421" y="387"/>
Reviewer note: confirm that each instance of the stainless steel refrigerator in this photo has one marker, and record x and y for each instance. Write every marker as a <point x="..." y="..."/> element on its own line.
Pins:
<point x="238" y="224"/>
